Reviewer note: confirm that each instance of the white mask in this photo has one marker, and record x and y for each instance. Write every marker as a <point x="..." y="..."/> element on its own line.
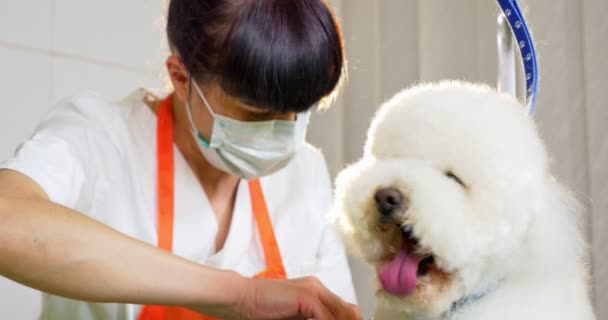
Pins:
<point x="250" y="149"/>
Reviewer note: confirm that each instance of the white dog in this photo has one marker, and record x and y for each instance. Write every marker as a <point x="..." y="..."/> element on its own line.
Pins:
<point x="454" y="205"/>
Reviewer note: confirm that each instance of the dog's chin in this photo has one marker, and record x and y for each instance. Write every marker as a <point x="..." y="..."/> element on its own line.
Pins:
<point x="425" y="288"/>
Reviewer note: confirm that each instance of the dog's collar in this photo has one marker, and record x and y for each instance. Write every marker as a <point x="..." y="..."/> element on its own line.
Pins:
<point x="466" y="301"/>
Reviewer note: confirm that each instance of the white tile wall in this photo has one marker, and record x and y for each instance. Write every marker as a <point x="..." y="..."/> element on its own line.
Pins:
<point x="72" y="77"/>
<point x="25" y="95"/>
<point x="110" y="30"/>
<point x="26" y="23"/>
<point x="50" y="49"/>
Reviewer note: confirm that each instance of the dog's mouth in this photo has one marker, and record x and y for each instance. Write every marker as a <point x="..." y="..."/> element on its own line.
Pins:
<point x="400" y="274"/>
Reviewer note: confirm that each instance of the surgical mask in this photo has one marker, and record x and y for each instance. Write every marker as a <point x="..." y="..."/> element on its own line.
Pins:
<point x="250" y="149"/>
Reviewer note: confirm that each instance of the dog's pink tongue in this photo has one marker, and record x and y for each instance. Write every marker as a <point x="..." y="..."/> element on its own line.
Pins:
<point x="399" y="276"/>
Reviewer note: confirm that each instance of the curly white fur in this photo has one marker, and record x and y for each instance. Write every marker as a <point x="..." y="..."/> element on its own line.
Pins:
<point x="512" y="232"/>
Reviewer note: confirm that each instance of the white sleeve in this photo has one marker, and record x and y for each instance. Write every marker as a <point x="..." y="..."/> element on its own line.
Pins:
<point x="59" y="154"/>
<point x="333" y="268"/>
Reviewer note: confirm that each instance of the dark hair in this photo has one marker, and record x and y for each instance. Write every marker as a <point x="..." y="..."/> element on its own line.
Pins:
<point x="282" y="55"/>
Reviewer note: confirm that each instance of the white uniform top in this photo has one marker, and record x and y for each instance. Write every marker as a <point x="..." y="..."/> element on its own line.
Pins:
<point x="99" y="158"/>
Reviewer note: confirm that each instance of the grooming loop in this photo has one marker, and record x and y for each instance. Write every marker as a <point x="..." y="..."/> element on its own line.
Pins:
<point x="523" y="39"/>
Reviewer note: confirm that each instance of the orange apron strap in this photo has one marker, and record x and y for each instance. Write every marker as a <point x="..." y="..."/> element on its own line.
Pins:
<point x="166" y="170"/>
<point x="272" y="253"/>
<point x="153" y="313"/>
<point x="166" y="188"/>
<point x="170" y="313"/>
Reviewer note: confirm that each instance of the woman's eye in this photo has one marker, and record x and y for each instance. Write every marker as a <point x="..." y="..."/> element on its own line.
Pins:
<point x="454" y="177"/>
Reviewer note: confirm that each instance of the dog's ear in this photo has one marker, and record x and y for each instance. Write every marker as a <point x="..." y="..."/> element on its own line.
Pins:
<point x="341" y="221"/>
<point x="565" y="206"/>
<point x="558" y="227"/>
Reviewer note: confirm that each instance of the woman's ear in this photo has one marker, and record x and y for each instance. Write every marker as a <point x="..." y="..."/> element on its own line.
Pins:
<point x="179" y="77"/>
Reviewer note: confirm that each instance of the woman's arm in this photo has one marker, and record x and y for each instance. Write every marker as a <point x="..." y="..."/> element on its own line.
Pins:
<point x="58" y="250"/>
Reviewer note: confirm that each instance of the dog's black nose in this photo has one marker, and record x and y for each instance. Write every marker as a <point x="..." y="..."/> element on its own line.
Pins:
<point x="389" y="200"/>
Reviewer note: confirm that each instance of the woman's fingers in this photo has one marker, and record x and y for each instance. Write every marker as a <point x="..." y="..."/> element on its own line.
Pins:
<point x="314" y="308"/>
<point x="337" y="307"/>
<point x="297" y="299"/>
<point x="356" y="312"/>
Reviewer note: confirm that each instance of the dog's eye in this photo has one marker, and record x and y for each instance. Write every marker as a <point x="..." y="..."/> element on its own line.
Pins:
<point x="454" y="177"/>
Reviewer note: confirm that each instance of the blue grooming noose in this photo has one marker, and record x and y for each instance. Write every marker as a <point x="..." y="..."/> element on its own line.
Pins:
<point x="525" y="44"/>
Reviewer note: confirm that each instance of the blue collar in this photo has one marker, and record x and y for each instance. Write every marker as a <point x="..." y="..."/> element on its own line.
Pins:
<point x="466" y="301"/>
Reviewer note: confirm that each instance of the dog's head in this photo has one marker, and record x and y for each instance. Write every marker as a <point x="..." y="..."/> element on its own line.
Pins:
<point x="449" y="184"/>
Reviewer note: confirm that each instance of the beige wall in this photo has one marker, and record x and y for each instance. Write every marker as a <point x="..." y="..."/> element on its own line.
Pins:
<point x="595" y="50"/>
<point x="394" y="43"/>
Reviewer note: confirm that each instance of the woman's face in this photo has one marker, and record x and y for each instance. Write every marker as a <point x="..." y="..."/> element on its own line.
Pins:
<point x="223" y="104"/>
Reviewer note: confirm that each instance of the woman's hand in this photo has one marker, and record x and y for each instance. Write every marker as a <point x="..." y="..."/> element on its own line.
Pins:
<point x="304" y="298"/>
<point x="301" y="299"/>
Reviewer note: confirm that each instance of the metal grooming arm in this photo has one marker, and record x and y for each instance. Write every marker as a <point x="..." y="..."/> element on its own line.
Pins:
<point x="506" y="57"/>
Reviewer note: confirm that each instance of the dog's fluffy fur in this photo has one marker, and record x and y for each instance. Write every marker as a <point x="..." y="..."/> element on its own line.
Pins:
<point x="509" y="235"/>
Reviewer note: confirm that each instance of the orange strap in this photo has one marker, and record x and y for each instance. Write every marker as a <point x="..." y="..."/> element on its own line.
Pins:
<point x="272" y="254"/>
<point x="166" y="187"/>
<point x="166" y="173"/>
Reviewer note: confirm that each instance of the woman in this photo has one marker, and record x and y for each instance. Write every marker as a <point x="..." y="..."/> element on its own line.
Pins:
<point x="217" y="172"/>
